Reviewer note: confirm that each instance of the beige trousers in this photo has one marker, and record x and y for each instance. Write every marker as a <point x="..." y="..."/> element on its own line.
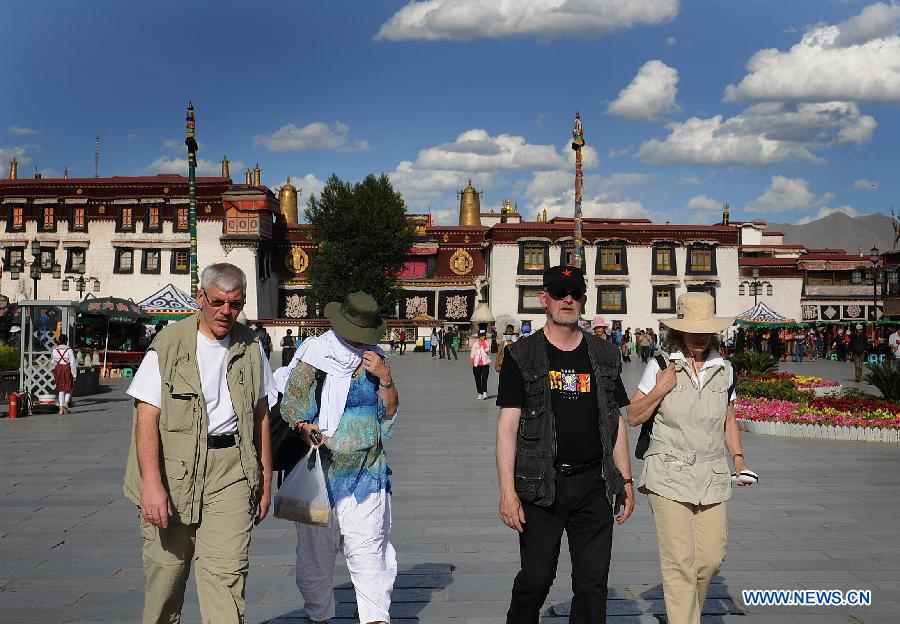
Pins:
<point x="692" y="541"/>
<point x="219" y="543"/>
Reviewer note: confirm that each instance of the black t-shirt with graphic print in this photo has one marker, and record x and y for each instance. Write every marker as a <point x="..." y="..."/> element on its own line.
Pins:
<point x="572" y="387"/>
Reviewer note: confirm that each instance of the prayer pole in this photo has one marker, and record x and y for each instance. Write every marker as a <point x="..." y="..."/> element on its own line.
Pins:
<point x="191" y="142"/>
<point x="577" y="144"/>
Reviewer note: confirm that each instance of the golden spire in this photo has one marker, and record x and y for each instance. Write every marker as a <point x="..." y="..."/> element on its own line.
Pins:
<point x="725" y="216"/>
<point x="469" y="205"/>
<point x="257" y="175"/>
<point x="65" y="173"/>
<point x="248" y="177"/>
<point x="13" y="169"/>
<point x="226" y="172"/>
<point x="287" y="199"/>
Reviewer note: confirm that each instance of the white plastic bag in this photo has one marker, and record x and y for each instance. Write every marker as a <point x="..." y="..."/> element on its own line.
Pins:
<point x="303" y="497"/>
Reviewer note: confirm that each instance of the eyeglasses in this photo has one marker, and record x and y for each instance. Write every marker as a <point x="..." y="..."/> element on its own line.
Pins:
<point x="562" y="293"/>
<point x="237" y="305"/>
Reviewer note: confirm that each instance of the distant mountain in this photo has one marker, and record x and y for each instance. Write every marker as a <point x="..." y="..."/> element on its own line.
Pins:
<point x="841" y="231"/>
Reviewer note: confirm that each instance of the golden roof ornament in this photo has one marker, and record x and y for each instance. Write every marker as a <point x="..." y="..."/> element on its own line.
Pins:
<point x="287" y="200"/>
<point x="469" y="205"/>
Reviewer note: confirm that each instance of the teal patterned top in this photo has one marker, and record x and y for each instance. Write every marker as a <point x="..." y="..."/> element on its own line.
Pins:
<point x="356" y="463"/>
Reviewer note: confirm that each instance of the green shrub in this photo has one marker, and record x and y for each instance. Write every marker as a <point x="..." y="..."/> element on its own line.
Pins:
<point x="852" y="392"/>
<point x="753" y="363"/>
<point x="886" y="378"/>
<point x="783" y="389"/>
<point x="9" y="358"/>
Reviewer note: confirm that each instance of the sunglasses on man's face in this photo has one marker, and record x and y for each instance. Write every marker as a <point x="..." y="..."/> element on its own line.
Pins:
<point x="562" y="293"/>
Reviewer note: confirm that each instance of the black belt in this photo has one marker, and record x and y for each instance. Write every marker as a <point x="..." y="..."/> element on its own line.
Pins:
<point x="220" y="441"/>
<point x="568" y="470"/>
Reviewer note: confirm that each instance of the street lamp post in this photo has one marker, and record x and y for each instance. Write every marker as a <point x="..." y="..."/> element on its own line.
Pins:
<point x="35" y="269"/>
<point x="754" y="285"/>
<point x="874" y="257"/>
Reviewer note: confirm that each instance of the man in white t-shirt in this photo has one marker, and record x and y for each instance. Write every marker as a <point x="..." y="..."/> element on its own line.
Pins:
<point x="199" y="467"/>
<point x="894" y="343"/>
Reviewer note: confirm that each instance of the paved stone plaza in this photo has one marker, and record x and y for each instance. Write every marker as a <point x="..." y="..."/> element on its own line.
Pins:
<point x="824" y="515"/>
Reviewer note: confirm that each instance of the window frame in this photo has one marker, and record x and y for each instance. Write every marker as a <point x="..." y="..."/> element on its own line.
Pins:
<point x="522" y="308"/>
<point x="179" y="208"/>
<point x="611" y="287"/>
<point x="10" y="218"/>
<point x="7" y="258"/>
<point x="49" y="267"/>
<point x="173" y="264"/>
<point x="151" y="229"/>
<point x="521" y="268"/>
<point x="117" y="268"/>
<point x="145" y="256"/>
<point x="655" y="303"/>
<point x="623" y="247"/>
<point x="689" y="268"/>
<point x="120" y="220"/>
<point x="70" y="252"/>
<point x="42" y="225"/>
<point x="655" y="267"/>
<point x="73" y="211"/>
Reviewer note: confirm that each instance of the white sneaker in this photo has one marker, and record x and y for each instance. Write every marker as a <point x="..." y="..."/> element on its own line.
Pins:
<point x="484" y="396"/>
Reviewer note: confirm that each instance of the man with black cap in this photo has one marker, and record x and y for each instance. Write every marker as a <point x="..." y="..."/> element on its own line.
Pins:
<point x="859" y="344"/>
<point x="562" y="452"/>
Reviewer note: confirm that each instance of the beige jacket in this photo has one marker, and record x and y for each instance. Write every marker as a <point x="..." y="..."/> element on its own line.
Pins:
<point x="685" y="460"/>
<point x="183" y="420"/>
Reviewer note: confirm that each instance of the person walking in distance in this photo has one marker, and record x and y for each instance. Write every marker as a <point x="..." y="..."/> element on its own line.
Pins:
<point x="859" y="345"/>
<point x="199" y="467"/>
<point x="65" y="370"/>
<point x="562" y="453"/>
<point x="402" y="341"/>
<point x="288" y="347"/>
<point x="480" y="358"/>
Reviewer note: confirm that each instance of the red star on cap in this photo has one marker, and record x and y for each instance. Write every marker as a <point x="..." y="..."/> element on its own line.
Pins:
<point x="567" y="272"/>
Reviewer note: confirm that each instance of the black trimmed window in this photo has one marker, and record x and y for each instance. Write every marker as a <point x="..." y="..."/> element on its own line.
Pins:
<point x="153" y="219"/>
<point x="75" y="259"/>
<point x="707" y="288"/>
<point x="611" y="300"/>
<point x="124" y="260"/>
<point x="180" y="223"/>
<point x="534" y="257"/>
<point x="664" y="259"/>
<point x="180" y="261"/>
<point x="47" y="259"/>
<point x="567" y="254"/>
<point x="663" y="299"/>
<point x="125" y="219"/>
<point x="529" y="299"/>
<point x="15" y="258"/>
<point x="151" y="261"/>
<point x="612" y="259"/>
<point x="78" y="218"/>
<point x="47" y="222"/>
<point x="15" y="218"/>
<point x="701" y="259"/>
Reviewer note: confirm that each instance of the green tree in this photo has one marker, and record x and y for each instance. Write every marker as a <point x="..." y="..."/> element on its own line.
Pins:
<point x="364" y="238"/>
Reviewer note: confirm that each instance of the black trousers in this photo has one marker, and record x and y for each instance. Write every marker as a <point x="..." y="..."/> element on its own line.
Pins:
<point x="481" y="376"/>
<point x="582" y="511"/>
<point x="645" y="354"/>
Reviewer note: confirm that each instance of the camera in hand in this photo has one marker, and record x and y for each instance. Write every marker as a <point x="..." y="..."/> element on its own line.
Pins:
<point x="316" y="436"/>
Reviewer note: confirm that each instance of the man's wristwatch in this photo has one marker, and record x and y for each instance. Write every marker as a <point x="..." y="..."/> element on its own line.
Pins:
<point x="389" y="384"/>
<point x="629" y="480"/>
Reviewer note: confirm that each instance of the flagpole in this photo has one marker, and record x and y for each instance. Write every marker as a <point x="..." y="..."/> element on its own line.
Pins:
<point x="577" y="144"/>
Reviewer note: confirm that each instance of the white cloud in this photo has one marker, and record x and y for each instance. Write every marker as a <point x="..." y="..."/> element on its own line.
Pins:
<point x="421" y="187"/>
<point x="602" y="196"/>
<point x="462" y="20"/>
<point x="824" y="212"/>
<point x="703" y="203"/>
<point x="865" y="185"/>
<point x="857" y="60"/>
<point x="650" y="95"/>
<point x="617" y="153"/>
<point x="762" y="134"/>
<point x="476" y="150"/>
<point x="690" y="180"/>
<point x="205" y="168"/>
<point x="19" y="152"/>
<point x="671" y="41"/>
<point x="316" y="135"/>
<point x="19" y="131"/>
<point x="783" y="195"/>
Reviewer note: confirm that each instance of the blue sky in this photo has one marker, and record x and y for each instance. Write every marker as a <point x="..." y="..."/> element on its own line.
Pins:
<point x="786" y="110"/>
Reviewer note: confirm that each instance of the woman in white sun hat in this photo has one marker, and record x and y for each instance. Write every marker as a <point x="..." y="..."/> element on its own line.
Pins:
<point x="685" y="474"/>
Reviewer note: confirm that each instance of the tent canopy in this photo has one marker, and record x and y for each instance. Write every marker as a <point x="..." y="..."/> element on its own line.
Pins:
<point x="761" y="314"/>
<point x="169" y="303"/>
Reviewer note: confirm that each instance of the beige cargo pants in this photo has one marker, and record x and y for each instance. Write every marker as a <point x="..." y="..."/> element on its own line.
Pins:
<point x="219" y="543"/>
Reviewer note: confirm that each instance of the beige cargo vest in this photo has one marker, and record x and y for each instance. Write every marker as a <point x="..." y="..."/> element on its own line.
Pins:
<point x="183" y="421"/>
<point x="685" y="460"/>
